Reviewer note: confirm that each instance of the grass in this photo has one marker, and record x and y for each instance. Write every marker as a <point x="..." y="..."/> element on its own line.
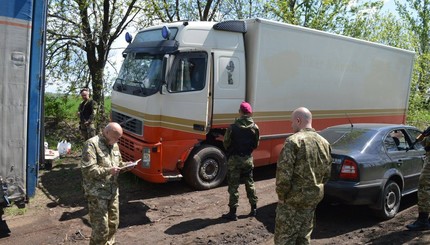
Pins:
<point x="15" y="211"/>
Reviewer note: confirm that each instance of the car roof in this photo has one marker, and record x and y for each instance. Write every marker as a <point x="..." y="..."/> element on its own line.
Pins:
<point x="375" y="126"/>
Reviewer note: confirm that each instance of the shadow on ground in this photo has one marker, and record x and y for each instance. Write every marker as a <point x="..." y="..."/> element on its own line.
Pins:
<point x="193" y="225"/>
<point x="62" y="185"/>
<point x="335" y="220"/>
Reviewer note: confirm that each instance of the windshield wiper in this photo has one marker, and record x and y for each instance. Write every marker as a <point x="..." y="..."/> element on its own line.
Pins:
<point x="141" y="85"/>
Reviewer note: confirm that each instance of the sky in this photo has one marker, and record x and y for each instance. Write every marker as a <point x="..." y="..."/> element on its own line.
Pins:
<point x="120" y="43"/>
<point x="389" y="5"/>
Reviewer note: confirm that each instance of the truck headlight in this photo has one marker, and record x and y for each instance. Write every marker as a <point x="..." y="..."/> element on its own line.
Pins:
<point x="146" y="157"/>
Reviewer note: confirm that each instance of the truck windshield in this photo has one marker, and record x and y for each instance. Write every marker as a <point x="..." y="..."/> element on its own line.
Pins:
<point x="140" y="74"/>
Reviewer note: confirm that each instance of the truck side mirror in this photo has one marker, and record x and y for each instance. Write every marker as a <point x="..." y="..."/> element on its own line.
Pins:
<point x="163" y="87"/>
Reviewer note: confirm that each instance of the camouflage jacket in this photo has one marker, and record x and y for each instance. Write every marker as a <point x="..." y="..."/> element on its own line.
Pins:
<point x="426" y="143"/>
<point x="242" y="136"/>
<point x="303" y="168"/>
<point x="97" y="160"/>
<point x="87" y="111"/>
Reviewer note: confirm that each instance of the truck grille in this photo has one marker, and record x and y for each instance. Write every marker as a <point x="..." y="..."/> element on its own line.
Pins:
<point x="126" y="147"/>
<point x="128" y="123"/>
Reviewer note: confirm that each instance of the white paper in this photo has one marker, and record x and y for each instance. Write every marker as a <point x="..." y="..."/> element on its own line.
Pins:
<point x="132" y="164"/>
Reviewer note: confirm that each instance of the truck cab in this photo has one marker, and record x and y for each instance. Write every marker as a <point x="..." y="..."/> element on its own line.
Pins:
<point x="163" y="98"/>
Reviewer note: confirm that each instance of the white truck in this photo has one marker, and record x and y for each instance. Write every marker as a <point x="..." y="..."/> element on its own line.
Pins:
<point x="181" y="84"/>
<point x="22" y="30"/>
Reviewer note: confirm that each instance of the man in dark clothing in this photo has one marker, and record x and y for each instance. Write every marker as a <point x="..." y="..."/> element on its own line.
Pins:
<point x="87" y="111"/>
<point x="422" y="223"/>
<point x="240" y="139"/>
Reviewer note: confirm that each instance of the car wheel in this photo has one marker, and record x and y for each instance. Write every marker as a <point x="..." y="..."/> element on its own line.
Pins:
<point x="206" y="168"/>
<point x="390" y="201"/>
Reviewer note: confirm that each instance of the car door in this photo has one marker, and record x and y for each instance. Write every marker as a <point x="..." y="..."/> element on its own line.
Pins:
<point x="407" y="159"/>
<point x="416" y="151"/>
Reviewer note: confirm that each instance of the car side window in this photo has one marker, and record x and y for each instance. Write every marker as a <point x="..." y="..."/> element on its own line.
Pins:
<point x="390" y="144"/>
<point x="413" y="135"/>
<point x="396" y="141"/>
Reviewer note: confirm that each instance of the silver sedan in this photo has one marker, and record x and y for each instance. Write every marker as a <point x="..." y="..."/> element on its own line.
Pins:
<point x="374" y="165"/>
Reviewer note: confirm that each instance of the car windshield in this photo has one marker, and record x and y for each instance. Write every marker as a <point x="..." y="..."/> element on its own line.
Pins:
<point x="348" y="138"/>
<point x="140" y="74"/>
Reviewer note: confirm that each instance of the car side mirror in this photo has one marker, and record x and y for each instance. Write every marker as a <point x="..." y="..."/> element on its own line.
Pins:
<point x="163" y="89"/>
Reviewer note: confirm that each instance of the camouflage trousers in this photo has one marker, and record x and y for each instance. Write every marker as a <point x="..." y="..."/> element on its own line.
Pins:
<point x="293" y="225"/>
<point x="424" y="189"/>
<point x="240" y="169"/>
<point x="87" y="131"/>
<point x="104" y="220"/>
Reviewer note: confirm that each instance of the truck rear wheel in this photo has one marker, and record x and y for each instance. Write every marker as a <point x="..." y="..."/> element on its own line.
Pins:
<point x="206" y="168"/>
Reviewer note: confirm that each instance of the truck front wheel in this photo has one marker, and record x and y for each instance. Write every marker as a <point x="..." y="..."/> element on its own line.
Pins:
<point x="206" y="168"/>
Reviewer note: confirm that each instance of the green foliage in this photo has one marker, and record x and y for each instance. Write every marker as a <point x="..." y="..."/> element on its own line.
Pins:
<point x="418" y="113"/>
<point x="14" y="211"/>
<point x="416" y="15"/>
<point x="79" y="38"/>
<point x="326" y="15"/>
<point x="60" y="107"/>
<point x="108" y="105"/>
<point x="61" y="121"/>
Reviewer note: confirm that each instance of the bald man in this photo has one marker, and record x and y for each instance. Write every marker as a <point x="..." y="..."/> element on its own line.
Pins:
<point x="100" y="166"/>
<point x="303" y="168"/>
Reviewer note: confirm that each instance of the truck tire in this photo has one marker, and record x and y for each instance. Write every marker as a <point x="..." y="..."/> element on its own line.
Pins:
<point x="206" y="168"/>
<point x="391" y="197"/>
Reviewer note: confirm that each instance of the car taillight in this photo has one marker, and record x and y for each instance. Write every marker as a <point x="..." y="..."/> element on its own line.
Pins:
<point x="349" y="170"/>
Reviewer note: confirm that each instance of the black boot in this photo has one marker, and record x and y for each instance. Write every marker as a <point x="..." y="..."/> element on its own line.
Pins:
<point x="253" y="212"/>
<point x="421" y="224"/>
<point x="231" y="215"/>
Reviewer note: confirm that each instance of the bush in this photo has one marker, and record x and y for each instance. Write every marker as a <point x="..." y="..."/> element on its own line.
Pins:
<point x="59" y="108"/>
<point x="61" y="121"/>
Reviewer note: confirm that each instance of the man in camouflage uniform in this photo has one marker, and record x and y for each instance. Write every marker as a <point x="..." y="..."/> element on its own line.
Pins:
<point x="100" y="165"/>
<point x="240" y="139"/>
<point x="303" y="168"/>
<point x="422" y="222"/>
<point x="87" y="111"/>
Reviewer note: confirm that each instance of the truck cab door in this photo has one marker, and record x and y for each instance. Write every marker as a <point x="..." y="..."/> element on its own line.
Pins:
<point x="185" y="106"/>
<point x="229" y="85"/>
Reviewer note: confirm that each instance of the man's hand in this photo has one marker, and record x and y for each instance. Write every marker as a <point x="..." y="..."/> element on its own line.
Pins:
<point x="129" y="168"/>
<point x="115" y="171"/>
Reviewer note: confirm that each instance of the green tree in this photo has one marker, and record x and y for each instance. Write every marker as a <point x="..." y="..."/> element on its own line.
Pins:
<point x="169" y="10"/>
<point x="80" y="34"/>
<point x="416" y="13"/>
<point x="325" y="15"/>
<point x="210" y="10"/>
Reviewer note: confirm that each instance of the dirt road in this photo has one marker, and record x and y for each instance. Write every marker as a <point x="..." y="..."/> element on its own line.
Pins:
<point x="173" y="213"/>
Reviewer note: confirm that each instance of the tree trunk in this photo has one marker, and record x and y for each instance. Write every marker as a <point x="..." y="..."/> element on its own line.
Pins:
<point x="98" y="85"/>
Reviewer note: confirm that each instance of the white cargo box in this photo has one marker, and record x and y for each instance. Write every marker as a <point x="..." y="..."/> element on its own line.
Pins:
<point x="290" y="66"/>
